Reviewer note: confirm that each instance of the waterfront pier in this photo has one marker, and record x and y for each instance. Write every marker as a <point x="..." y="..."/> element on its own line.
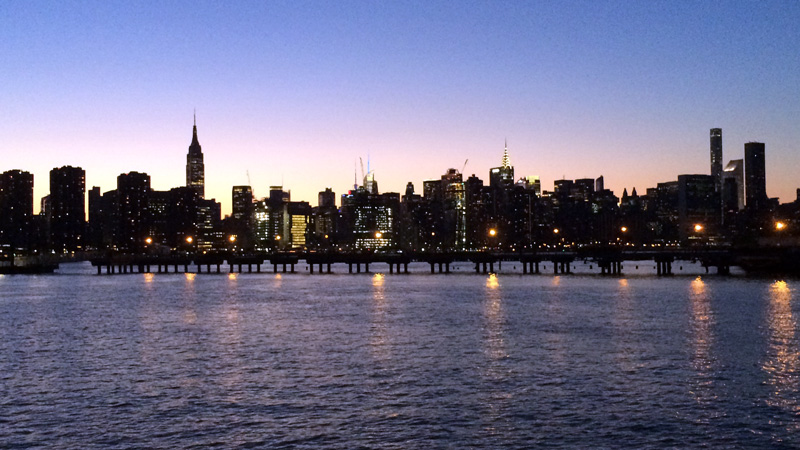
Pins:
<point x="609" y="262"/>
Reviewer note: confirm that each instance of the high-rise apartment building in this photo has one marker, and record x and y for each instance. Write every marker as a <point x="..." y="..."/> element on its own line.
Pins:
<point x="698" y="204"/>
<point x="195" y="169"/>
<point x="16" y="208"/>
<point x="67" y="208"/>
<point x="242" y="198"/>
<point x="755" y="184"/>
<point x="716" y="157"/>
<point x="133" y="212"/>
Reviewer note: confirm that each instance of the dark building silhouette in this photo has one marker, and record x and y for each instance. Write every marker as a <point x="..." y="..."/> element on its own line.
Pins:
<point x="67" y="208"/>
<point x="698" y="205"/>
<point x="755" y="177"/>
<point x="326" y="199"/>
<point x="325" y="221"/>
<point x="133" y="212"/>
<point x="195" y="169"/>
<point x="94" y="231"/>
<point x="16" y="209"/>
<point x="716" y="157"/>
<point x="241" y="224"/>
<point x="477" y="198"/>
<point x="733" y="186"/>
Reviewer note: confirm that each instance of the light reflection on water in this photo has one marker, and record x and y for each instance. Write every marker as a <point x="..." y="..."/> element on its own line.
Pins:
<point x="783" y="364"/>
<point x="379" y="341"/>
<point x="411" y="361"/>
<point x="495" y="319"/>
<point x="702" y="331"/>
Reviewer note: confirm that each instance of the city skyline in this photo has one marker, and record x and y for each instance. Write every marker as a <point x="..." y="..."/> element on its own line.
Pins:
<point x="291" y="93"/>
<point x="195" y="174"/>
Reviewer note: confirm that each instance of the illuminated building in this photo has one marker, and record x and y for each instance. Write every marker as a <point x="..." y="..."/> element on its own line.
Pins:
<point x="533" y="182"/>
<point x="242" y="200"/>
<point x="67" y="208"/>
<point x="16" y="209"/>
<point x="261" y="225"/>
<point x="298" y="214"/>
<point x="370" y="218"/>
<point x="503" y="176"/>
<point x="209" y="213"/>
<point x="455" y="210"/>
<point x="195" y="169"/>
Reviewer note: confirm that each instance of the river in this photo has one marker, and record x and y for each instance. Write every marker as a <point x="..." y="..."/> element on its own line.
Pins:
<point x="399" y="361"/>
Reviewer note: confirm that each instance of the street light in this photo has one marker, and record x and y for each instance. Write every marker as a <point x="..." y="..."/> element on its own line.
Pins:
<point x="698" y="228"/>
<point x="492" y="232"/>
<point x="378" y="235"/>
<point x="780" y="226"/>
<point x="148" y="240"/>
<point x="232" y="238"/>
<point x="623" y="229"/>
<point x="189" y="239"/>
<point x="555" y="231"/>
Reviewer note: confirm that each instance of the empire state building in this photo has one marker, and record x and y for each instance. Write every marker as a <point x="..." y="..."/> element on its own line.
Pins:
<point x="195" y="169"/>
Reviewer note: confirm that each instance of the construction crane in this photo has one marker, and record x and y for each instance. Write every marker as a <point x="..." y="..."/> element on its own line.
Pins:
<point x="464" y="166"/>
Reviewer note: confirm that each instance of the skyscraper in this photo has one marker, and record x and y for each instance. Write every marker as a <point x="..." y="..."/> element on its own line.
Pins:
<point x="16" y="208"/>
<point x="698" y="204"/>
<point x="503" y="176"/>
<point x="755" y="184"/>
<point x="733" y="185"/>
<point x="67" y="208"/>
<point x="716" y="157"/>
<point x="242" y="198"/>
<point x="195" y="169"/>
<point x="133" y="213"/>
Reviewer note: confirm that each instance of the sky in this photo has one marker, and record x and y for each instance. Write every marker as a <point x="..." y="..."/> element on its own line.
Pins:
<point x="294" y="93"/>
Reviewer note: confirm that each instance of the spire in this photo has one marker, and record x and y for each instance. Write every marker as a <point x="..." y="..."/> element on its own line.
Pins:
<point x="506" y="161"/>
<point x="194" y="147"/>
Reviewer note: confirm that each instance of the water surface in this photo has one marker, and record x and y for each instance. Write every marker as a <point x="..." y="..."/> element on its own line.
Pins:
<point x="398" y="361"/>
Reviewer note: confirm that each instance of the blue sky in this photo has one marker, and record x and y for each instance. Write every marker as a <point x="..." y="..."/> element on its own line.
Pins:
<point x="293" y="93"/>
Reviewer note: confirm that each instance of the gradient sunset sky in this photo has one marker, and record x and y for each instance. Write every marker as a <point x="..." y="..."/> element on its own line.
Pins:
<point x="294" y="92"/>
